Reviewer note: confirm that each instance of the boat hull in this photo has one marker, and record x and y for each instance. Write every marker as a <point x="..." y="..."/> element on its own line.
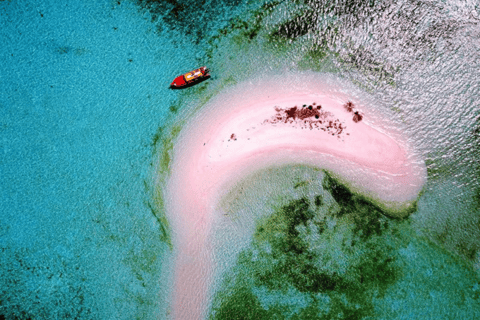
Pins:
<point x="190" y="78"/>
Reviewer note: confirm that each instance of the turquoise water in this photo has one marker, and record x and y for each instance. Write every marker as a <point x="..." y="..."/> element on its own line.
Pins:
<point x="87" y="122"/>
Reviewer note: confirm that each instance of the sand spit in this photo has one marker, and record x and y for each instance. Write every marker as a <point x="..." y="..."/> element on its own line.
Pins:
<point x="300" y="119"/>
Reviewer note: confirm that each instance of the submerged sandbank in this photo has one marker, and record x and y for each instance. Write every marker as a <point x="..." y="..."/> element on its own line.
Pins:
<point x="299" y="119"/>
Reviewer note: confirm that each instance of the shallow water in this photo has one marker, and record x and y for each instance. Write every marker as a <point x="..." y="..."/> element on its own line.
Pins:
<point x="87" y="125"/>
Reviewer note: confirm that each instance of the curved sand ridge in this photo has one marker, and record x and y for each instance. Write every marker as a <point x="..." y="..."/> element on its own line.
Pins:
<point x="257" y="125"/>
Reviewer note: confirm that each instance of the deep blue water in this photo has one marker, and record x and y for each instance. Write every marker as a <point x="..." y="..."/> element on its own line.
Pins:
<point x="84" y="99"/>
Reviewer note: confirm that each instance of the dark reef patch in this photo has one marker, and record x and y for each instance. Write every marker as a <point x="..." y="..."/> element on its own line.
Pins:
<point x="193" y="18"/>
<point x="242" y="305"/>
<point x="297" y="26"/>
<point x="298" y="253"/>
<point x="319" y="200"/>
<point x="58" y="287"/>
<point x="243" y="29"/>
<point x="369" y="219"/>
<point x="300" y="184"/>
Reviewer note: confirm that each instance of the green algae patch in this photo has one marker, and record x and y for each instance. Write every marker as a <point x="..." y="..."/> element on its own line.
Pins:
<point x="163" y="224"/>
<point x="354" y="200"/>
<point x="334" y="254"/>
<point x="305" y="265"/>
<point x="242" y="304"/>
<point x="167" y="147"/>
<point x="164" y="143"/>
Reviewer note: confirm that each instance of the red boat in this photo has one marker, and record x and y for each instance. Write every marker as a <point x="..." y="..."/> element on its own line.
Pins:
<point x="190" y="78"/>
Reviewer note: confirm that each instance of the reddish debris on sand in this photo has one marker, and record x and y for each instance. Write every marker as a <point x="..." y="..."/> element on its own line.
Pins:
<point x="357" y="117"/>
<point x="308" y="117"/>
<point x="350" y="107"/>
<point x="233" y="137"/>
<point x="301" y="114"/>
<point x="291" y="113"/>
<point x="305" y="113"/>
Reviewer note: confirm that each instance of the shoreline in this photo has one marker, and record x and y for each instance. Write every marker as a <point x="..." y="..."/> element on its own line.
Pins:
<point x="237" y="133"/>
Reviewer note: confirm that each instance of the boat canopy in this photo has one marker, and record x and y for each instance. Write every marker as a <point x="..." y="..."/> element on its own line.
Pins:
<point x="193" y="75"/>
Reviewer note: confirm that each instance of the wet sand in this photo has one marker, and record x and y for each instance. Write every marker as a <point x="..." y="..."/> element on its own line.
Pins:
<point x="270" y="124"/>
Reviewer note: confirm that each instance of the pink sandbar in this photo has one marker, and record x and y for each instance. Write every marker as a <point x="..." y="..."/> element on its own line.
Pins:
<point x="234" y="136"/>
